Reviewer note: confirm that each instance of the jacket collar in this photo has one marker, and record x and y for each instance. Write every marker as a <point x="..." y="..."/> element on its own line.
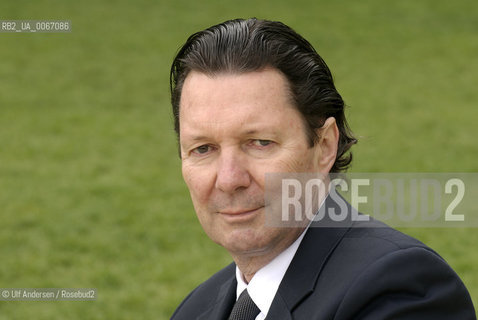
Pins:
<point x="306" y="266"/>
<point x="226" y="297"/>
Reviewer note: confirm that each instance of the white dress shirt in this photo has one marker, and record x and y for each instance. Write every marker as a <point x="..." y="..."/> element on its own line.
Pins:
<point x="264" y="284"/>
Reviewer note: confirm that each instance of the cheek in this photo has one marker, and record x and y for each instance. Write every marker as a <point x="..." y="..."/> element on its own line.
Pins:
<point x="298" y="160"/>
<point x="257" y="172"/>
<point x="198" y="182"/>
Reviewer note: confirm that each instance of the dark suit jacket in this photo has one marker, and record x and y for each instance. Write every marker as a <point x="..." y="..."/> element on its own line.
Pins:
<point x="362" y="270"/>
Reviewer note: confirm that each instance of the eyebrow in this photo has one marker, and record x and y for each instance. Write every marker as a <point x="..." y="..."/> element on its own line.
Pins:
<point x="253" y="131"/>
<point x="198" y="138"/>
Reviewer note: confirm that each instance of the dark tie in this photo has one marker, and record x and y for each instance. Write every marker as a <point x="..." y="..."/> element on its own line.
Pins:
<point x="244" y="308"/>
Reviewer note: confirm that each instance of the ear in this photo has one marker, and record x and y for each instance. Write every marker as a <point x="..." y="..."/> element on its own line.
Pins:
<point x="327" y="145"/>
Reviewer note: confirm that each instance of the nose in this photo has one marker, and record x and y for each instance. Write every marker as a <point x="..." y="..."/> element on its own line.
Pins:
<point x="232" y="172"/>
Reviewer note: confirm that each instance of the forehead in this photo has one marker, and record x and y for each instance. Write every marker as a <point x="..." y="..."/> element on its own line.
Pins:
<point x="227" y="97"/>
<point x="202" y="85"/>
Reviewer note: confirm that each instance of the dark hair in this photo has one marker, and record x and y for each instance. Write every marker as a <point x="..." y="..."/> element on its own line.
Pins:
<point x="238" y="46"/>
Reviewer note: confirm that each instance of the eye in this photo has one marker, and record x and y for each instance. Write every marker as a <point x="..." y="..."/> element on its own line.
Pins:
<point x="261" y="143"/>
<point x="202" y="149"/>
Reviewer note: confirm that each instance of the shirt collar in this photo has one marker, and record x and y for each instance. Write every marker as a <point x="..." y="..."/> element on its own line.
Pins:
<point x="264" y="284"/>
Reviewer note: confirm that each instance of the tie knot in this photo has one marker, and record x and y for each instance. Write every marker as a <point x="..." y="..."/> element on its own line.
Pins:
<point x="244" y="308"/>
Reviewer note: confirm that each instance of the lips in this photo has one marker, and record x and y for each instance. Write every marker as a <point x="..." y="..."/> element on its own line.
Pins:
<point x="241" y="214"/>
<point x="238" y="212"/>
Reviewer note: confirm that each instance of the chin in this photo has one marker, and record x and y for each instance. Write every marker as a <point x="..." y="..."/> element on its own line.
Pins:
<point x="244" y="243"/>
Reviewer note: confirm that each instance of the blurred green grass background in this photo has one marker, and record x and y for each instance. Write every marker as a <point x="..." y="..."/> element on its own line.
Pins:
<point x="91" y="193"/>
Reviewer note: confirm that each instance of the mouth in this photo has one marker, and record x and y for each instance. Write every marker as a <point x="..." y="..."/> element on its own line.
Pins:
<point x="240" y="215"/>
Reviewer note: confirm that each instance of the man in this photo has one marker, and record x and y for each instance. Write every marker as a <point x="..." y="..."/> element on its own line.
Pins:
<point x="252" y="97"/>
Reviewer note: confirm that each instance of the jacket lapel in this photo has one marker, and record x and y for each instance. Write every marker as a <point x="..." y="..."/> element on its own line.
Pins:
<point x="301" y="276"/>
<point x="226" y="297"/>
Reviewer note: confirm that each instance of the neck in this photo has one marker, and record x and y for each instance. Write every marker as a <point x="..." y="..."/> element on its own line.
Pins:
<point x="249" y="263"/>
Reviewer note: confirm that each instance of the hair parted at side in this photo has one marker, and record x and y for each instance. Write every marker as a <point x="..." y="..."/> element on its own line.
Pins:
<point x="239" y="46"/>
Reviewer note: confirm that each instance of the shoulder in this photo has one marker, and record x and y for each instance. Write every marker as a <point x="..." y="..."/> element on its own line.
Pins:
<point x="204" y="296"/>
<point x="374" y="238"/>
<point x="390" y="273"/>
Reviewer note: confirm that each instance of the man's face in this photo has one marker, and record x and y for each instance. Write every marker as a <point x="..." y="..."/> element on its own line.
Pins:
<point x="233" y="130"/>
